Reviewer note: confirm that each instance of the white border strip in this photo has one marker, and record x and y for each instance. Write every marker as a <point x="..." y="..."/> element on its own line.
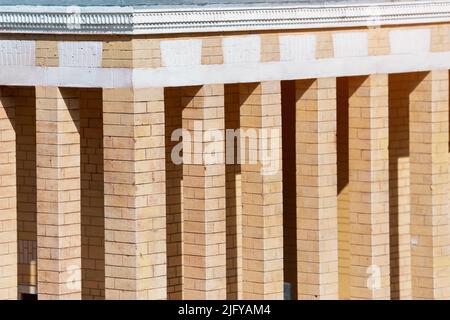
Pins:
<point x="210" y="74"/>
<point x="79" y="77"/>
<point x="242" y="73"/>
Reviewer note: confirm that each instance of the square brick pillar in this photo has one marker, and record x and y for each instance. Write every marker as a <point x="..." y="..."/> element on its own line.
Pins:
<point x="58" y="193"/>
<point x="429" y="138"/>
<point x="135" y="205"/>
<point x="174" y="201"/>
<point x="317" y="225"/>
<point x="233" y="194"/>
<point x="204" y="241"/>
<point x="262" y="197"/>
<point x="8" y="200"/>
<point x="369" y="187"/>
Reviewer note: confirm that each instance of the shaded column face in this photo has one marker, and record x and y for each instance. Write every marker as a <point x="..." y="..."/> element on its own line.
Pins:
<point x="92" y="191"/>
<point x="317" y="228"/>
<point x="262" y="199"/>
<point x="8" y="200"/>
<point x="204" y="242"/>
<point x="400" y="86"/>
<point x="174" y="201"/>
<point x="369" y="187"/>
<point x="233" y="194"/>
<point x="135" y="212"/>
<point x="58" y="193"/>
<point x="430" y="253"/>
<point x="289" y="155"/>
<point x="25" y="124"/>
<point x="343" y="186"/>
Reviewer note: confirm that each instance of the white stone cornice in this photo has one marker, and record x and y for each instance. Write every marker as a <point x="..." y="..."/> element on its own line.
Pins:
<point x="128" y="20"/>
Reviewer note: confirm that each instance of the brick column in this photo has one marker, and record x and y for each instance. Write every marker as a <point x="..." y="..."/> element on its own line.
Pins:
<point x="204" y="242"/>
<point x="174" y="201"/>
<point x="317" y="227"/>
<point x="369" y="187"/>
<point x="429" y="136"/>
<point x="262" y="199"/>
<point x="233" y="194"/>
<point x="400" y="87"/>
<point x="58" y="193"/>
<point x="134" y="174"/>
<point x="8" y="200"/>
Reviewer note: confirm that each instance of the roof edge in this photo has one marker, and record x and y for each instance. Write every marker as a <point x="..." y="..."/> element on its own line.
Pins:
<point x="130" y="21"/>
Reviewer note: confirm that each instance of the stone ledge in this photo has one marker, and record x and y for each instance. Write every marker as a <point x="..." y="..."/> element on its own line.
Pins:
<point x="129" y="20"/>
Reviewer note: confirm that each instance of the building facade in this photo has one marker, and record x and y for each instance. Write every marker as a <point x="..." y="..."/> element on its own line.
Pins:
<point x="313" y="162"/>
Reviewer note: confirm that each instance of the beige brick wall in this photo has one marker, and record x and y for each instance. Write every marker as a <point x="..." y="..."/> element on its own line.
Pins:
<point x="92" y="198"/>
<point x="58" y="193"/>
<point x="138" y="137"/>
<point x="146" y="53"/>
<point x="143" y="51"/>
<point x="212" y="52"/>
<point x="324" y="45"/>
<point x="288" y="102"/>
<point x="270" y="47"/>
<point x="233" y="198"/>
<point x="204" y="224"/>
<point x="25" y="105"/>
<point x="429" y="139"/>
<point x="342" y="187"/>
<point x="440" y="37"/>
<point x="378" y="41"/>
<point x="317" y="225"/>
<point x="262" y="200"/>
<point x="174" y="194"/>
<point x="8" y="200"/>
<point x="118" y="53"/>
<point x="134" y="173"/>
<point x="400" y="86"/>
<point x="91" y="188"/>
<point x="47" y="53"/>
<point x="369" y="187"/>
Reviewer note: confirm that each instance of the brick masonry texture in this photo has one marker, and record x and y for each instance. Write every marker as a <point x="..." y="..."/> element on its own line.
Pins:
<point x="145" y="52"/>
<point x="134" y="174"/>
<point x="400" y="86"/>
<point x="343" y="186"/>
<point x="92" y="194"/>
<point x="93" y="207"/>
<point x="58" y="193"/>
<point x="233" y="196"/>
<point x="430" y="259"/>
<point x="262" y="200"/>
<point x="317" y="225"/>
<point x="204" y="224"/>
<point x="174" y="193"/>
<point x="369" y="187"/>
<point x="102" y="166"/>
<point x="8" y="200"/>
<point x="25" y="105"/>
